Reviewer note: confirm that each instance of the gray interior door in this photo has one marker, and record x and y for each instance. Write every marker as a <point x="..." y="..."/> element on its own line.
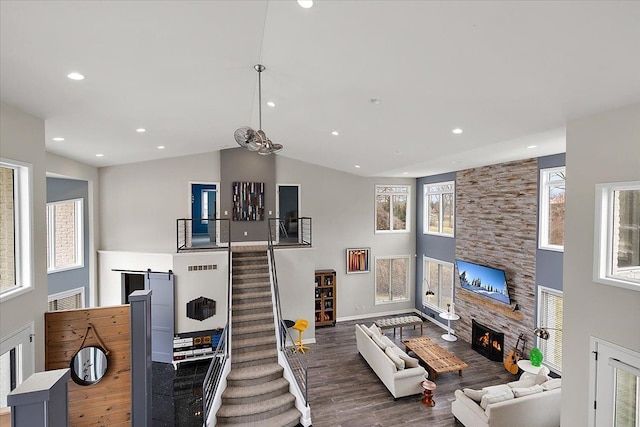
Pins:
<point x="162" y="315"/>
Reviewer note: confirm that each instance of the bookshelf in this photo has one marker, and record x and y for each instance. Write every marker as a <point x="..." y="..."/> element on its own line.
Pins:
<point x="325" y="290"/>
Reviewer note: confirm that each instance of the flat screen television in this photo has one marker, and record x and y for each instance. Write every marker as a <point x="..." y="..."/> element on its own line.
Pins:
<point x="487" y="281"/>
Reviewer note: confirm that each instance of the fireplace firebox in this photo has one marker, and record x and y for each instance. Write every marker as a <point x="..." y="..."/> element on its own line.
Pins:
<point x="487" y="342"/>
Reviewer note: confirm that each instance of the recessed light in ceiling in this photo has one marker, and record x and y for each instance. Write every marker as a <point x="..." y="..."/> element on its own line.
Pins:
<point x="375" y="101"/>
<point x="160" y="147"/>
<point x="99" y="155"/>
<point x="531" y="146"/>
<point x="335" y="133"/>
<point x="397" y="152"/>
<point x="457" y="131"/>
<point x="405" y="173"/>
<point x="75" y="76"/>
<point x="306" y="3"/>
<point x="141" y="130"/>
<point x="58" y="138"/>
<point x="271" y="104"/>
<point x="357" y="166"/>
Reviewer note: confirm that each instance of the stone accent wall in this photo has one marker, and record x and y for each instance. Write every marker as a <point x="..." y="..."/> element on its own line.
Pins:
<point x="496" y="225"/>
<point x="7" y="224"/>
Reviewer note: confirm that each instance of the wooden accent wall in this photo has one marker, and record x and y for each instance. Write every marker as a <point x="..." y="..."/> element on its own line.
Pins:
<point x="496" y="225"/>
<point x="108" y="402"/>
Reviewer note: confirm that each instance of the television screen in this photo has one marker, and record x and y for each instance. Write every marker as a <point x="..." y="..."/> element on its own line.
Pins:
<point x="487" y="281"/>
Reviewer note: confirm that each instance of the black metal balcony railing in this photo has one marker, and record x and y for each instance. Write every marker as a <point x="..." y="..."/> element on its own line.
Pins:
<point x="291" y="231"/>
<point x="202" y="234"/>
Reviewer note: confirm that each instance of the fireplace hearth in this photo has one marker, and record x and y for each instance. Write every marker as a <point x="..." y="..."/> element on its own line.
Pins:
<point x="487" y="342"/>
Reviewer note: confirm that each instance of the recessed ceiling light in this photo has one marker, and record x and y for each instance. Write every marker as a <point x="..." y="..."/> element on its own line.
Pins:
<point x="457" y="131"/>
<point x="99" y="155"/>
<point x="305" y="3"/>
<point x="141" y="130"/>
<point x="375" y="101"/>
<point x="531" y="146"/>
<point x="357" y="166"/>
<point x="75" y="76"/>
<point x="397" y="152"/>
<point x="160" y="147"/>
<point x="405" y="173"/>
<point x="271" y="104"/>
<point x="58" y="138"/>
<point x="335" y="133"/>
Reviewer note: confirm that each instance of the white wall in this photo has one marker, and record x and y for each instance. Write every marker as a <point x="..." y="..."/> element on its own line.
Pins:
<point x="342" y="207"/>
<point x="140" y="202"/>
<point x="22" y="138"/>
<point x="601" y="148"/>
<point x="62" y="167"/>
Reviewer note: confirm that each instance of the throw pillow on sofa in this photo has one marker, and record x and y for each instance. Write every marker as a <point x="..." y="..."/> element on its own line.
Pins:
<point x="409" y="362"/>
<point x="498" y="396"/>
<point x="375" y="330"/>
<point x="394" y="358"/>
<point x="378" y="340"/>
<point x="496" y="389"/>
<point x="552" y="384"/>
<point x="386" y="341"/>
<point x="475" y="395"/>
<point x="526" y="391"/>
<point x="522" y="383"/>
<point x="366" y="330"/>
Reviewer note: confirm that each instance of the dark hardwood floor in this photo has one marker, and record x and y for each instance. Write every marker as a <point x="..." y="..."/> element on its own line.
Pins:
<point x="344" y="391"/>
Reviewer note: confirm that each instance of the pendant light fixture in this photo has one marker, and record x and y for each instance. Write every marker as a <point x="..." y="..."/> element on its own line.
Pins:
<point x="253" y="140"/>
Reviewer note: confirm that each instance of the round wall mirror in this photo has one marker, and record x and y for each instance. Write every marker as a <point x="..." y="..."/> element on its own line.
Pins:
<point x="89" y="365"/>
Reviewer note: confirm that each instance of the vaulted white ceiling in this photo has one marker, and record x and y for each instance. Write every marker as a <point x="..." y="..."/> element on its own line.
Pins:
<point x="510" y="74"/>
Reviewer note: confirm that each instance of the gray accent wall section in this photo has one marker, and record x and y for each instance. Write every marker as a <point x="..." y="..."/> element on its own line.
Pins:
<point x="68" y="189"/>
<point x="437" y="247"/>
<point x="548" y="263"/>
<point x="240" y="165"/>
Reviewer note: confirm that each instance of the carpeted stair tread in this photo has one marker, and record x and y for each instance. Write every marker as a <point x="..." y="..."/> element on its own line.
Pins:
<point x="251" y="305"/>
<point x="250" y="342"/>
<point x="255" y="356"/>
<point x="257" y="390"/>
<point x="254" y="372"/>
<point x="256" y="408"/>
<point x="250" y="275"/>
<point x="252" y="295"/>
<point x="251" y="317"/>
<point x="291" y="418"/>
<point x="238" y="331"/>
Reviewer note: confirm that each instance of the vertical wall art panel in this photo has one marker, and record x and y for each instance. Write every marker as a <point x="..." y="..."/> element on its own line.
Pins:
<point x="248" y="201"/>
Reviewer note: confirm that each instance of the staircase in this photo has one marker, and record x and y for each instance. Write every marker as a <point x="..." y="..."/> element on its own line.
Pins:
<point x="256" y="393"/>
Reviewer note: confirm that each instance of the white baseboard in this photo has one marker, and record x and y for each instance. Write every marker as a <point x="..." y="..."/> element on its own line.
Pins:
<point x="392" y="313"/>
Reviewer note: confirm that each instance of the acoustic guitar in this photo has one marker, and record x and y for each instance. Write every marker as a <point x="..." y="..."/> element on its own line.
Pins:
<point x="511" y="361"/>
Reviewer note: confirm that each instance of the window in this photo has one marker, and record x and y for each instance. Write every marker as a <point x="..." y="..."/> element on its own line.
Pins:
<point x="67" y="300"/>
<point x="392" y="279"/>
<point x="618" y="235"/>
<point x="437" y="284"/>
<point x="550" y="317"/>
<point x="439" y="208"/>
<point x="15" y="228"/>
<point x="392" y="207"/>
<point x="552" y="189"/>
<point x="64" y="235"/>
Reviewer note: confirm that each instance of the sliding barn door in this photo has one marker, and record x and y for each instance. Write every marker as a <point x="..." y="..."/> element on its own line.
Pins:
<point x="162" y="315"/>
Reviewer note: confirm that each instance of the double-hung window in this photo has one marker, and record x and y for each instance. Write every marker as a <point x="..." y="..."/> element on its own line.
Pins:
<point x="392" y="278"/>
<point x="618" y="234"/>
<point x="437" y="284"/>
<point x="439" y="208"/>
<point x="551" y="227"/>
<point x="15" y="228"/>
<point x="65" y="237"/>
<point x="550" y="318"/>
<point x="392" y="208"/>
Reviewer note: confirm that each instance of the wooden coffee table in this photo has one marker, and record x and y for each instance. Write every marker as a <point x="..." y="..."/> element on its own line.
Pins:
<point x="437" y="359"/>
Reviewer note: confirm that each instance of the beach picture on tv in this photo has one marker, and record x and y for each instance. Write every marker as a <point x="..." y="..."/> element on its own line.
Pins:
<point x="486" y="281"/>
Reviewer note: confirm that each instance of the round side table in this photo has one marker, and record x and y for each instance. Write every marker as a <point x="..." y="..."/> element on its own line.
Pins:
<point x="428" y="387"/>
<point x="449" y="317"/>
<point x="526" y="366"/>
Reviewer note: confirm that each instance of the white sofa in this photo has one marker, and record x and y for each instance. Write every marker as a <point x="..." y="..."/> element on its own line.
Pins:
<point x="541" y="409"/>
<point x="400" y="382"/>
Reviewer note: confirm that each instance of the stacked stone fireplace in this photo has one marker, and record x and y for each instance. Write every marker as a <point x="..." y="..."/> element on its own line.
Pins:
<point x="487" y="342"/>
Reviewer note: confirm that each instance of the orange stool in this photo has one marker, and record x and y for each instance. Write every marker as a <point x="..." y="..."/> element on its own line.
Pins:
<point x="300" y="325"/>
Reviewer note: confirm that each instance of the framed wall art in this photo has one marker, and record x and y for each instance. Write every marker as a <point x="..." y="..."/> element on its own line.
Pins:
<point x="248" y="201"/>
<point x="357" y="260"/>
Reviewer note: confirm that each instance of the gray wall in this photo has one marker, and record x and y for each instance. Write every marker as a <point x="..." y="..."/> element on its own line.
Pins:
<point x="600" y="148"/>
<point x="237" y="165"/>
<point x="66" y="189"/>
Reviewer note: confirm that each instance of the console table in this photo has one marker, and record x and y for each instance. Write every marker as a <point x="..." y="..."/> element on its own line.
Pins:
<point x="449" y="317"/>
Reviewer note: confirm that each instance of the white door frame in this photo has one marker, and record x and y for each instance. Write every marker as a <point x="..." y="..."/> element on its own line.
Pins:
<point x="278" y="185"/>
<point x="22" y="336"/>
<point x="217" y="184"/>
